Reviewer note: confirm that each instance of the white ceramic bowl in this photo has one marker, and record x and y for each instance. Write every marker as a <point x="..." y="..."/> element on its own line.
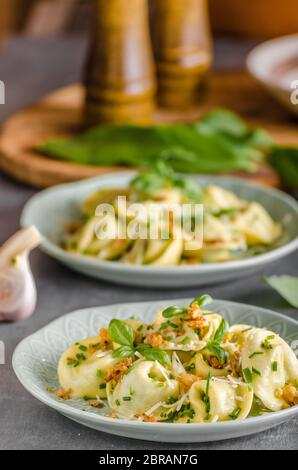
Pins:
<point x="36" y="357"/>
<point x="50" y="209"/>
<point x="275" y="64"/>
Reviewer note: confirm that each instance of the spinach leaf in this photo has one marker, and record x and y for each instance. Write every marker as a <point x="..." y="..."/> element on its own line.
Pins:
<point x="285" y="161"/>
<point x="220" y="142"/>
<point x="286" y="286"/>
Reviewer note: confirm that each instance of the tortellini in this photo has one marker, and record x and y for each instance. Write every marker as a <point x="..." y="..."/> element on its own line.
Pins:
<point x="140" y="389"/>
<point x="187" y="366"/>
<point x="272" y="363"/>
<point x="82" y="372"/>
<point x="225" y="401"/>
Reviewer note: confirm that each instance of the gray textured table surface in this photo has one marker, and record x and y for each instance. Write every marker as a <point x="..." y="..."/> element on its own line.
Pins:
<point x="26" y="423"/>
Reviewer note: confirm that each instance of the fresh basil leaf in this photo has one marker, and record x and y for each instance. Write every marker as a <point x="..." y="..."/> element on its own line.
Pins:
<point x="286" y="286"/>
<point x="155" y="354"/>
<point x="173" y="312"/>
<point x="217" y="351"/>
<point x="123" y="351"/>
<point x="121" y="333"/>
<point x="202" y="301"/>
<point x="220" y="332"/>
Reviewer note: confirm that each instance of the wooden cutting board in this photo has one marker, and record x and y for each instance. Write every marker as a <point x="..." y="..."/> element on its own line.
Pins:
<point x="60" y="114"/>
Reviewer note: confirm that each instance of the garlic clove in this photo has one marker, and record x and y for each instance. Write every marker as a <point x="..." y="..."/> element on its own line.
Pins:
<point x="17" y="287"/>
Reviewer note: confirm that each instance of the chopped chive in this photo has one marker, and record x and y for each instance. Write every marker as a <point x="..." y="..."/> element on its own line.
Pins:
<point x="206" y="398"/>
<point x="117" y="402"/>
<point x="81" y="357"/>
<point x="256" y="353"/>
<point x="266" y="343"/>
<point x="73" y="363"/>
<point x="126" y="398"/>
<point x="247" y="375"/>
<point x="83" y="348"/>
<point x="160" y="384"/>
<point x="256" y="371"/>
<point x="102" y="386"/>
<point x="130" y="369"/>
<point x="86" y="398"/>
<point x="185" y="340"/>
<point x="274" y="366"/>
<point x="235" y="413"/>
<point x="100" y="373"/>
<point x="169" y="338"/>
<point x="246" y="329"/>
<point x="140" y="328"/>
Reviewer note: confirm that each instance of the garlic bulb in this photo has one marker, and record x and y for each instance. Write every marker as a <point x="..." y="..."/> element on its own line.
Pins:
<point x="17" y="286"/>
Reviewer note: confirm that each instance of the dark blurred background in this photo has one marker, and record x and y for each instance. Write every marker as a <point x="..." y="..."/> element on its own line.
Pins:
<point x="250" y="18"/>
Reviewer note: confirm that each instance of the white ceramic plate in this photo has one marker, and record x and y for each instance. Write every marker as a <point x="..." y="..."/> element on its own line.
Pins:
<point x="36" y="357"/>
<point x="50" y="209"/>
<point x="275" y="64"/>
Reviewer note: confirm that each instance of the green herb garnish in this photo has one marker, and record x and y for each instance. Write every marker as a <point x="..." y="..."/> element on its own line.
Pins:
<point x="234" y="415"/>
<point x="256" y="371"/>
<point x="274" y="366"/>
<point x="256" y="353"/>
<point x="206" y="398"/>
<point x="247" y="375"/>
<point x="174" y="312"/>
<point x="202" y="301"/>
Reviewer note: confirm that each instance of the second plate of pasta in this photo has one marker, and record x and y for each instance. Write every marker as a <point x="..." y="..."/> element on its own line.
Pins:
<point x="245" y="227"/>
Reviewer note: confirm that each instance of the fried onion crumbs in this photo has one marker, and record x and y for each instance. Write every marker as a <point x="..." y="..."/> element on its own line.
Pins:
<point x="146" y="418"/>
<point x="215" y="362"/>
<point x="112" y="415"/>
<point x="96" y="403"/>
<point x="187" y="380"/>
<point x="116" y="372"/>
<point x="64" y="394"/>
<point x="154" y="339"/>
<point x="290" y="395"/>
<point x="235" y="363"/>
<point x="105" y="341"/>
<point x="195" y="318"/>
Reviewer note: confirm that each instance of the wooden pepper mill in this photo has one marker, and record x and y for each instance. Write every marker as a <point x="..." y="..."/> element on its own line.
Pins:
<point x="182" y="48"/>
<point x="120" y="77"/>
